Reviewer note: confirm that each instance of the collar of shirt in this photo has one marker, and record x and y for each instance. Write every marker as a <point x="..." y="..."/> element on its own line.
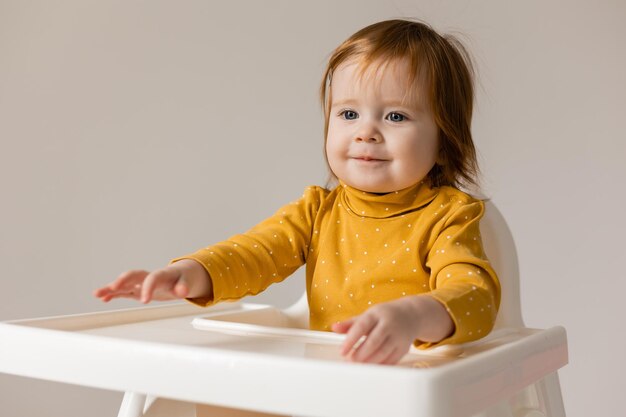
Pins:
<point x="381" y="206"/>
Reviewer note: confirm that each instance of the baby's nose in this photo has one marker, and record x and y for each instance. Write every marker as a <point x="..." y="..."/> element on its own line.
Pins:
<point x="373" y="138"/>
<point x="368" y="133"/>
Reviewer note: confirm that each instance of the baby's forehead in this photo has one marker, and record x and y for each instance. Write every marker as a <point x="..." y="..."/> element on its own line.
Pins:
<point x="395" y="80"/>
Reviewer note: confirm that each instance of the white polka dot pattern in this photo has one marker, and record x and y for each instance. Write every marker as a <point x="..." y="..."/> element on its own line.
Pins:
<point x="362" y="249"/>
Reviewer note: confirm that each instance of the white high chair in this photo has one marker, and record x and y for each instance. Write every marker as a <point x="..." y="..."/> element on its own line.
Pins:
<point x="245" y="359"/>
<point x="534" y="397"/>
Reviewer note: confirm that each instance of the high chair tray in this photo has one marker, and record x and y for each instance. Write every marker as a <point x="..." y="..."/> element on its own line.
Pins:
<point x="157" y="351"/>
<point x="264" y="321"/>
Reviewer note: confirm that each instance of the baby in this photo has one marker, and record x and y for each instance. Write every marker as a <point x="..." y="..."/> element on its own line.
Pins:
<point x="392" y="249"/>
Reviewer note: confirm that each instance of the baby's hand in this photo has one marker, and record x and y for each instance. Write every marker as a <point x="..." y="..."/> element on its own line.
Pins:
<point x="390" y="328"/>
<point x="172" y="282"/>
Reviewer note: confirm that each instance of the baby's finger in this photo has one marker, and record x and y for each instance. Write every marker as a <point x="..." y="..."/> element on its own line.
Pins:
<point x="127" y="283"/>
<point x="162" y="278"/>
<point x="375" y="347"/>
<point x="362" y="327"/>
<point x="128" y="279"/>
<point x="100" y="292"/>
<point x="134" y="295"/>
<point x="181" y="289"/>
<point x="343" y="326"/>
<point x="394" y="357"/>
<point x="127" y="291"/>
<point x="104" y="292"/>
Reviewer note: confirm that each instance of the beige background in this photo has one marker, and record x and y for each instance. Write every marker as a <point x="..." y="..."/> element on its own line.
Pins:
<point x="135" y="131"/>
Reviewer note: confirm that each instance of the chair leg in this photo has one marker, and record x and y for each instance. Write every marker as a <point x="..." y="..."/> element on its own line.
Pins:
<point x="549" y="392"/>
<point x="163" y="407"/>
<point x="132" y="405"/>
<point x="541" y="399"/>
<point x="141" y="405"/>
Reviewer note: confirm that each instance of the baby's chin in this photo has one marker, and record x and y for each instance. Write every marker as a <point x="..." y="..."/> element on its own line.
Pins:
<point x="374" y="188"/>
<point x="378" y="188"/>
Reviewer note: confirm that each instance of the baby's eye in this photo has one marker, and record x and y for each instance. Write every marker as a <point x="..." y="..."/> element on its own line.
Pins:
<point x="396" y="117"/>
<point x="348" y="114"/>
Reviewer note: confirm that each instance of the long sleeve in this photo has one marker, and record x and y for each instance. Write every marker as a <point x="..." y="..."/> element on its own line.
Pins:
<point x="247" y="263"/>
<point x="461" y="277"/>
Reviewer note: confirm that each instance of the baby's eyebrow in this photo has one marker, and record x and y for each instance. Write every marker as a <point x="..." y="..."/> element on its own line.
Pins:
<point x="389" y="103"/>
<point x="344" y="102"/>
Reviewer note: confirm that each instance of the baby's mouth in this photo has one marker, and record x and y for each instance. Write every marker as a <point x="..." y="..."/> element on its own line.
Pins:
<point x="369" y="159"/>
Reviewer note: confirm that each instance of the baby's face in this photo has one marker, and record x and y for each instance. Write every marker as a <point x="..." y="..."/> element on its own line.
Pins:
<point x="375" y="143"/>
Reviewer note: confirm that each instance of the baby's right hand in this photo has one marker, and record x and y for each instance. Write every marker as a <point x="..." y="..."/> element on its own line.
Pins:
<point x="170" y="283"/>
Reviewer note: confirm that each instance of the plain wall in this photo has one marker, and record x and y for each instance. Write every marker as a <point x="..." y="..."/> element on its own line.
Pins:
<point x="132" y="132"/>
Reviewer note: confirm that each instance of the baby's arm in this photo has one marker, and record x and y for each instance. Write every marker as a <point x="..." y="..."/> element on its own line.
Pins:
<point x="247" y="263"/>
<point x="185" y="278"/>
<point x="461" y="277"/>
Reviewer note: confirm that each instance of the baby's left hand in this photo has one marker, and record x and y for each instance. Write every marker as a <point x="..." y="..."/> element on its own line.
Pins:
<point x="390" y="329"/>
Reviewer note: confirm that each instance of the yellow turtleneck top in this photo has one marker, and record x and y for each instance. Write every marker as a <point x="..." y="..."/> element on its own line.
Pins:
<point x="361" y="249"/>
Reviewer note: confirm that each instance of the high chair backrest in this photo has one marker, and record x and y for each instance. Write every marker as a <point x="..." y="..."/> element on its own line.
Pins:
<point x="500" y="249"/>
